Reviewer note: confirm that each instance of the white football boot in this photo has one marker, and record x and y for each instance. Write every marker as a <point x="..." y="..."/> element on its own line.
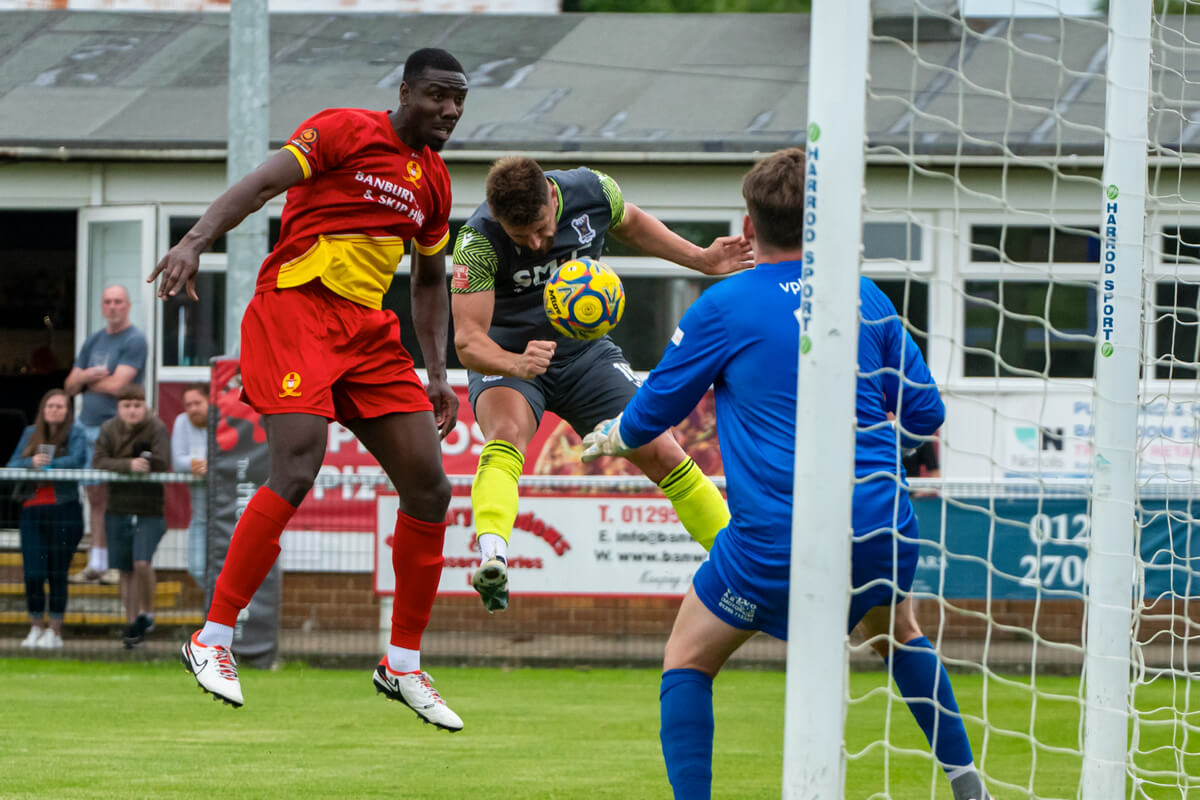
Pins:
<point x="214" y="669"/>
<point x="415" y="690"/>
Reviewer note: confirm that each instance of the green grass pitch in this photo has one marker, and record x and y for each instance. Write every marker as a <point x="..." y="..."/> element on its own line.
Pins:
<point x="98" y="730"/>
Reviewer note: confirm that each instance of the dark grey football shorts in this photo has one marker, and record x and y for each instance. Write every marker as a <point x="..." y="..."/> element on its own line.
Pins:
<point x="584" y="388"/>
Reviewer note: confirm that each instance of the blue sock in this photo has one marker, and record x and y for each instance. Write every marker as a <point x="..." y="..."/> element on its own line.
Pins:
<point x="921" y="677"/>
<point x="685" y="702"/>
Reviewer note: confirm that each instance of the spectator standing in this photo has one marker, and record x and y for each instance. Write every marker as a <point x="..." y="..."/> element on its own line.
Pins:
<point x="136" y="442"/>
<point x="111" y="359"/>
<point x="51" y="518"/>
<point x="189" y="453"/>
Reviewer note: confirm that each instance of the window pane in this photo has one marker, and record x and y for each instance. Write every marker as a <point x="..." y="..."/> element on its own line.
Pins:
<point x="1020" y="328"/>
<point x="181" y="225"/>
<point x="1035" y="243"/>
<point x="1181" y="245"/>
<point x="1176" y="321"/>
<point x="114" y="257"/>
<point x="911" y="299"/>
<point x="896" y="240"/>
<point x="696" y="232"/>
<point x="194" y="332"/>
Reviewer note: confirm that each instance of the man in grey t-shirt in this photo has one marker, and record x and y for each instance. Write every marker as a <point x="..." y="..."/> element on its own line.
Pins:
<point x="110" y="359"/>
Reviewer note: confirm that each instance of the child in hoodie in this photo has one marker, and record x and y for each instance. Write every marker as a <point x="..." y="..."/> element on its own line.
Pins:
<point x="136" y="442"/>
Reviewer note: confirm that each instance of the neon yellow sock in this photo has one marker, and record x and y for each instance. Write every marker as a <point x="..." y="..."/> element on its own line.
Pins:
<point x="494" y="491"/>
<point x="697" y="501"/>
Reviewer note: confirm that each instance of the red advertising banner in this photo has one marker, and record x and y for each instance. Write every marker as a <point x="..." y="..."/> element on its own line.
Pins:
<point x="554" y="450"/>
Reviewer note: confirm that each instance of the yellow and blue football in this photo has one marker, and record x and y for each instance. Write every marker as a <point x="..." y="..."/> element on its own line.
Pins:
<point x="584" y="299"/>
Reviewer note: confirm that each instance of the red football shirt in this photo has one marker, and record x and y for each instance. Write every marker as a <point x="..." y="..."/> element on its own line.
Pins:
<point x="365" y="194"/>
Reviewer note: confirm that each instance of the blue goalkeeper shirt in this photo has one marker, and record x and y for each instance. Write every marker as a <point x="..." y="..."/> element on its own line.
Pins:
<point x="742" y="338"/>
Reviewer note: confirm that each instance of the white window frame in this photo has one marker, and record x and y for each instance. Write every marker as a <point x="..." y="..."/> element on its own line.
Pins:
<point x="1157" y="270"/>
<point x="1014" y="272"/>
<point x="87" y="318"/>
<point x="922" y="270"/>
<point x="892" y="268"/>
<point x="209" y="262"/>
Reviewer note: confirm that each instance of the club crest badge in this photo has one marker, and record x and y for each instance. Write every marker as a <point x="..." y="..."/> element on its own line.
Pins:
<point x="583" y="229"/>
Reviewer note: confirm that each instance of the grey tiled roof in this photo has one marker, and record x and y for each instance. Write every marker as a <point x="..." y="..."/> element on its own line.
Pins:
<point x="683" y="83"/>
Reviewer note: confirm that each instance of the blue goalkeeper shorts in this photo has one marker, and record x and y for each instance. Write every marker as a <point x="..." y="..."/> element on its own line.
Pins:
<point x="750" y="592"/>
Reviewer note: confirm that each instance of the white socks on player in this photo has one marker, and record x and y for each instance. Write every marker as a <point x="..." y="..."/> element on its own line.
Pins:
<point x="491" y="545"/>
<point x="214" y="634"/>
<point x="98" y="559"/>
<point x="401" y="659"/>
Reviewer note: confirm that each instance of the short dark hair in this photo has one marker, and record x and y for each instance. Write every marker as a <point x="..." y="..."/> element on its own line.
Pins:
<point x="429" y="58"/>
<point x="774" y="193"/>
<point x="202" y="388"/>
<point x="516" y="191"/>
<point x="131" y="391"/>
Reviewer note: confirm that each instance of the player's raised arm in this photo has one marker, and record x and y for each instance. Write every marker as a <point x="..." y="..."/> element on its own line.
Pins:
<point x="647" y="233"/>
<point x="179" y="266"/>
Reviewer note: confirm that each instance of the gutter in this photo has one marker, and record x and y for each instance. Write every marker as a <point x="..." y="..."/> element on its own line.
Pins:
<point x="64" y="153"/>
<point x="88" y="153"/>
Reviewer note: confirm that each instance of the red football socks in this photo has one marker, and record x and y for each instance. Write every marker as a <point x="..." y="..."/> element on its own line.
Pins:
<point x="252" y="552"/>
<point x="417" y="560"/>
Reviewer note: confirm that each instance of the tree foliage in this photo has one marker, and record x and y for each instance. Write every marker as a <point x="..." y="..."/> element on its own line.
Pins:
<point x="1163" y="7"/>
<point x="690" y="6"/>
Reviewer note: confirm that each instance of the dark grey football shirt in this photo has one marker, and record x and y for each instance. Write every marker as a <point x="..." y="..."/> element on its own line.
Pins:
<point x="589" y="205"/>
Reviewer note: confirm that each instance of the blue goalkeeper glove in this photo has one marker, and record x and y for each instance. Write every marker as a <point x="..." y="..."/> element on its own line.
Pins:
<point x="604" y="440"/>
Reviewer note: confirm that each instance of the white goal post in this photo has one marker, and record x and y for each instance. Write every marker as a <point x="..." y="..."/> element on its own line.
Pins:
<point x="828" y="317"/>
<point x="1110" y="564"/>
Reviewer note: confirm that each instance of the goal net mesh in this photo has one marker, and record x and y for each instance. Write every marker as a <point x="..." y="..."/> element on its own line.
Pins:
<point x="982" y="222"/>
<point x="1164" y="748"/>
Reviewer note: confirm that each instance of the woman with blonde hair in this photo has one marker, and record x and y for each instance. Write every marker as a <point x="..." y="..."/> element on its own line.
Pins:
<point x="51" y="516"/>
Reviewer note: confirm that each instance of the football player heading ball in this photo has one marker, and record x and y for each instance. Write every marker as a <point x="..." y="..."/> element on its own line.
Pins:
<point x="519" y="366"/>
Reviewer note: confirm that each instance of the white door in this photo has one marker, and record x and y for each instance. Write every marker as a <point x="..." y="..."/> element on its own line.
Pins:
<point x="117" y="246"/>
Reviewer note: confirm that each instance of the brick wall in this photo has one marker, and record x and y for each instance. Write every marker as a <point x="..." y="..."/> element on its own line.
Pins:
<point x="345" y="602"/>
<point x="332" y="601"/>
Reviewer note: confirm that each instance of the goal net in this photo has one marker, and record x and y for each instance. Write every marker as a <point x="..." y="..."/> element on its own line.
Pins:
<point x="1005" y="203"/>
<point x="1164" y="746"/>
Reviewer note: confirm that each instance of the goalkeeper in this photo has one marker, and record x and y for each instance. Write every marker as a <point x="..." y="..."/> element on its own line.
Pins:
<point x="741" y="337"/>
<point x="519" y="367"/>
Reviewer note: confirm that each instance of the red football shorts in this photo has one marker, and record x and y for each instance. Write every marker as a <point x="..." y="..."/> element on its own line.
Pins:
<point x="306" y="350"/>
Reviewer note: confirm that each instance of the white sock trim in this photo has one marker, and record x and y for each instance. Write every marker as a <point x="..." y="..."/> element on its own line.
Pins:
<point x="214" y="634"/>
<point x="401" y="659"/>
<point x="491" y="544"/>
<point x="957" y="772"/>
